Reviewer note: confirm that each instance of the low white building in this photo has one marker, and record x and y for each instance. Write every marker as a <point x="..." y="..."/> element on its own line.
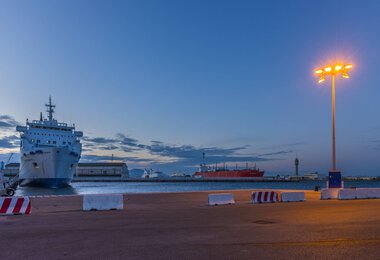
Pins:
<point x="314" y="176"/>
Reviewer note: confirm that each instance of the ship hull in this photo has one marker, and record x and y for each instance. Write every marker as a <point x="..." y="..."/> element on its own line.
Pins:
<point x="48" y="167"/>
<point x="47" y="182"/>
<point x="232" y="174"/>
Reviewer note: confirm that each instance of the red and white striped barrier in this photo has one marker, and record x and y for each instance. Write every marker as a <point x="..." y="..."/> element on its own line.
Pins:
<point x="264" y="196"/>
<point x="14" y="205"/>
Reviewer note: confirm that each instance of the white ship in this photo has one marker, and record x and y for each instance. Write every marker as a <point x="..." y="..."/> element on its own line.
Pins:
<point x="49" y="151"/>
<point x="150" y="174"/>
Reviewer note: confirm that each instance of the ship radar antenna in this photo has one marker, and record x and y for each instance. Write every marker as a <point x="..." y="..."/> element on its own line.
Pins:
<point x="50" y="109"/>
<point x="203" y="154"/>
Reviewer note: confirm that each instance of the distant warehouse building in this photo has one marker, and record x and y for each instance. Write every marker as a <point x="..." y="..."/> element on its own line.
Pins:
<point x="101" y="169"/>
<point x="111" y="169"/>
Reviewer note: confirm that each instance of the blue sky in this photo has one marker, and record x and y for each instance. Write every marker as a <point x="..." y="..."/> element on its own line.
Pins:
<point x="158" y="82"/>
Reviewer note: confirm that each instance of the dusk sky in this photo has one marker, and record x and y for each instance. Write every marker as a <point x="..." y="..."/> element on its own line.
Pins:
<point x="156" y="83"/>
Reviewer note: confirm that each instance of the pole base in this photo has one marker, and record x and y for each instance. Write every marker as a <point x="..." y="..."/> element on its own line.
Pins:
<point x="335" y="180"/>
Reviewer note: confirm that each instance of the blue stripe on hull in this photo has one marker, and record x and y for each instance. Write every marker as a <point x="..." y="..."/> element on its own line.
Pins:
<point x="48" y="182"/>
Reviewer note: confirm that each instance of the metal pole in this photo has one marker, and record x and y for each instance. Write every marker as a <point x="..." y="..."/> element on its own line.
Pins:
<point x="333" y="124"/>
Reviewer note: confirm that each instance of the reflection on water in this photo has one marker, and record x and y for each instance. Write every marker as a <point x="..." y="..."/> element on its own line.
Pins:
<point x="81" y="188"/>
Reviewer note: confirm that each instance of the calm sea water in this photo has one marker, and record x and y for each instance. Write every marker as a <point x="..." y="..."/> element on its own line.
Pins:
<point x="81" y="188"/>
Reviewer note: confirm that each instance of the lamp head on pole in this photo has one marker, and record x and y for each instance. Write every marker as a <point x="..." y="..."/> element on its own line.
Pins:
<point x="333" y="70"/>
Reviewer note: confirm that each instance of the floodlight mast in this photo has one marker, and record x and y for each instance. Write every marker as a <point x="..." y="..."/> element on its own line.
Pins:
<point x="334" y="175"/>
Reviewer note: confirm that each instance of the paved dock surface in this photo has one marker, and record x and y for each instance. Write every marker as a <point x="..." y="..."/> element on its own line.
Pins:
<point x="182" y="226"/>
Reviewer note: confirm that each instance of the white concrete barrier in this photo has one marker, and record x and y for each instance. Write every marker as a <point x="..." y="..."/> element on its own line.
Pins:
<point x="361" y="193"/>
<point x="102" y="202"/>
<point x="347" y="194"/>
<point x="292" y="196"/>
<point x="370" y="193"/>
<point x="221" y="199"/>
<point x="265" y="196"/>
<point x="15" y="205"/>
<point x="332" y="193"/>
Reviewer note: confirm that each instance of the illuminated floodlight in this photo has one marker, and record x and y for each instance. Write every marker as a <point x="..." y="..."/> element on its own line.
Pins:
<point x="318" y="71"/>
<point x="348" y="66"/>
<point x="328" y="69"/>
<point x="321" y="79"/>
<point x="338" y="67"/>
<point x="345" y="75"/>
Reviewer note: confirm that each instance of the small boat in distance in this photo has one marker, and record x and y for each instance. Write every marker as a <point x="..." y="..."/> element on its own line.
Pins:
<point x="208" y="172"/>
<point x="151" y="174"/>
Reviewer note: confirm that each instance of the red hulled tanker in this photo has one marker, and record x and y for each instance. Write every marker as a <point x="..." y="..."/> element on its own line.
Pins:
<point x="207" y="172"/>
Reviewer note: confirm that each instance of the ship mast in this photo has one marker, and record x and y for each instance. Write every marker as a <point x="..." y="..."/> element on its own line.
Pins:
<point x="50" y="109"/>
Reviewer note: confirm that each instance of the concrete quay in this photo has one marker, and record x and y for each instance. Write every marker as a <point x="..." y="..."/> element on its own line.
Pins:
<point x="183" y="226"/>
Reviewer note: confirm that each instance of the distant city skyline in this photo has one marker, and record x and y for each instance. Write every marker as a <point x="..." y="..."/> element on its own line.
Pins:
<point x="157" y="83"/>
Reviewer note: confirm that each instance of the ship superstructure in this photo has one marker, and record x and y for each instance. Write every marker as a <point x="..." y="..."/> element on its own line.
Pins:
<point x="49" y="151"/>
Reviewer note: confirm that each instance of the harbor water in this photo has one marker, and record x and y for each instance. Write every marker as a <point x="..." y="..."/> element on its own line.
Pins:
<point x="82" y="188"/>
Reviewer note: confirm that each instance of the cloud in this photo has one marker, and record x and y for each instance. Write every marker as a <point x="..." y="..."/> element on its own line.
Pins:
<point x="276" y="153"/>
<point x="160" y="153"/>
<point x="9" y="142"/>
<point x="7" y="121"/>
<point x="374" y="144"/>
<point x="120" y="142"/>
<point x="285" y="146"/>
<point x="111" y="147"/>
<point x="93" y="157"/>
<point x="98" y="140"/>
<point x="188" y="155"/>
<point x="95" y="143"/>
<point x="127" y="141"/>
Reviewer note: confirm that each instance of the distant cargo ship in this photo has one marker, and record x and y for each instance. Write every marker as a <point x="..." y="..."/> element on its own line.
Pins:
<point x="207" y="172"/>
